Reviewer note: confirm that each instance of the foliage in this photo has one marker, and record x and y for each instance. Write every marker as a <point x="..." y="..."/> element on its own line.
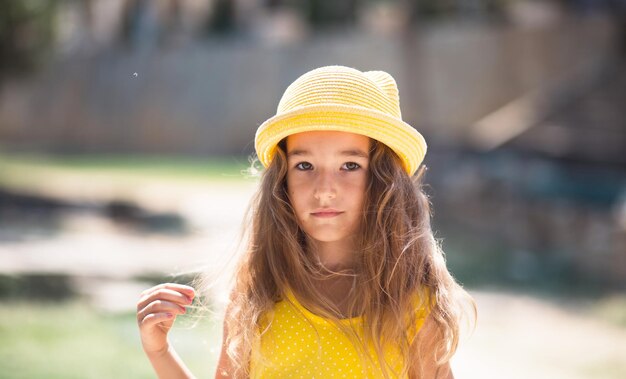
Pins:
<point x="26" y="34"/>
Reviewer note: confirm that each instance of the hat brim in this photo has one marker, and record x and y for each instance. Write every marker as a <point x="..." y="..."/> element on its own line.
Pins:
<point x="401" y="137"/>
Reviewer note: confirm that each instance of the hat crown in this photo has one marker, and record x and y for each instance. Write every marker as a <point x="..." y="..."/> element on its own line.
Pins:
<point x="339" y="85"/>
<point x="343" y="99"/>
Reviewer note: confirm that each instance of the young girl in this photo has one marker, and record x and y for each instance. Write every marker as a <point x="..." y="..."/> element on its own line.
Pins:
<point x="342" y="276"/>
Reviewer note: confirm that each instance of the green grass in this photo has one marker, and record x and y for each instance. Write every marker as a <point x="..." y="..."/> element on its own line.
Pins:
<point x="611" y="308"/>
<point x="72" y="340"/>
<point x="222" y="168"/>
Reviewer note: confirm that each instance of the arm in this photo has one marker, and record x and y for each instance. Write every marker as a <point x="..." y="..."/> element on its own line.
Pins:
<point x="422" y="350"/>
<point x="156" y="311"/>
<point x="223" y="364"/>
<point x="169" y="365"/>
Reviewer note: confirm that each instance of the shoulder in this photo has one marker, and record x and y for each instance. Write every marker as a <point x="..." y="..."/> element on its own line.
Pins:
<point x="421" y="305"/>
<point x="422" y="302"/>
<point x="424" y="362"/>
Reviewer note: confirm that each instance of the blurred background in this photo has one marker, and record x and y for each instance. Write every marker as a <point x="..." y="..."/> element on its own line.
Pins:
<point x="126" y="127"/>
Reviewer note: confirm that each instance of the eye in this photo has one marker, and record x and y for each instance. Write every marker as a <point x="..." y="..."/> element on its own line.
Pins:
<point x="352" y="166"/>
<point x="303" y="166"/>
<point x="349" y="166"/>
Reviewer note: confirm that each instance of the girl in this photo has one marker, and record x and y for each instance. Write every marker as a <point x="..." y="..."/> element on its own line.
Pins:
<point x="342" y="276"/>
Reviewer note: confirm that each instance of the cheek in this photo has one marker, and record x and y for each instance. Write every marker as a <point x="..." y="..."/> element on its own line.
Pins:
<point x="298" y="186"/>
<point x="359" y="202"/>
<point x="357" y="190"/>
<point x="296" y="196"/>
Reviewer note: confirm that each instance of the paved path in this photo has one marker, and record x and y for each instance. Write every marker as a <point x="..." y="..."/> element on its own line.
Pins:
<point x="520" y="336"/>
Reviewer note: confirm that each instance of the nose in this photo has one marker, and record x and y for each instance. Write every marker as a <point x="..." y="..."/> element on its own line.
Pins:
<point x="325" y="185"/>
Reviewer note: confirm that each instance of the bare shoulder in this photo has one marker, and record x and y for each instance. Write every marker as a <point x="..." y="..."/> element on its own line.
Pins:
<point x="423" y="363"/>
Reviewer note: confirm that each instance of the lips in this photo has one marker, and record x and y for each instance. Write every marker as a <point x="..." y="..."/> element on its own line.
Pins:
<point x="326" y="213"/>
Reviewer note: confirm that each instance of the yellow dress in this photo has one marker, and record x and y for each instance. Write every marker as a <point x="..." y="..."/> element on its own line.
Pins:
<point x="301" y="344"/>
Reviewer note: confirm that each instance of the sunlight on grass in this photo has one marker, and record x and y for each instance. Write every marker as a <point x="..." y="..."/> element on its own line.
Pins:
<point x="160" y="183"/>
<point x="73" y="340"/>
<point x="612" y="308"/>
<point x="173" y="167"/>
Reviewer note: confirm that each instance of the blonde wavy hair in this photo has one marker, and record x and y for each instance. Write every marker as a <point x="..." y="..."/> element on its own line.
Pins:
<point x="398" y="257"/>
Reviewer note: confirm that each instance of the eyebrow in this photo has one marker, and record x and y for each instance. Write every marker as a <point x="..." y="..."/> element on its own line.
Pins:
<point x="348" y="153"/>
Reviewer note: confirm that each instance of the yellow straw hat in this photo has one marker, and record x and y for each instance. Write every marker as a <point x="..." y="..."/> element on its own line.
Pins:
<point x="343" y="99"/>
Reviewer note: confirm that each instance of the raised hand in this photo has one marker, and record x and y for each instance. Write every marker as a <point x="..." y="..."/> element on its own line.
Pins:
<point x="157" y="309"/>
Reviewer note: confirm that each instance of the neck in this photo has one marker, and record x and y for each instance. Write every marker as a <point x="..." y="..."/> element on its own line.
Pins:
<point x="335" y="255"/>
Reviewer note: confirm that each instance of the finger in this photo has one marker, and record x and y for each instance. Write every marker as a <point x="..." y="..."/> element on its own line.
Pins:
<point x="155" y="318"/>
<point x="184" y="289"/>
<point x="163" y="294"/>
<point x="187" y="290"/>
<point x="160" y="306"/>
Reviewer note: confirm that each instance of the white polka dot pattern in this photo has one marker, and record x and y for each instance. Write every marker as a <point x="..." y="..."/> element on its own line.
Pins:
<point x="300" y="344"/>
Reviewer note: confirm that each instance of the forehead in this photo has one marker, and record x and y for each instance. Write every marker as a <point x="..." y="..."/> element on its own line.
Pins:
<point x="328" y="142"/>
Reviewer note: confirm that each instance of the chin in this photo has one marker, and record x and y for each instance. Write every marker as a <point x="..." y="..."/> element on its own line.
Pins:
<point x="327" y="233"/>
<point x="327" y="237"/>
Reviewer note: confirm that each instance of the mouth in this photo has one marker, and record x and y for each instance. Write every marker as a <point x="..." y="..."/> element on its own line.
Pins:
<point x="326" y="214"/>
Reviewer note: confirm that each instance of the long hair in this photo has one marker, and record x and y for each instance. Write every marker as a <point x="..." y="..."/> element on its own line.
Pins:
<point x="397" y="258"/>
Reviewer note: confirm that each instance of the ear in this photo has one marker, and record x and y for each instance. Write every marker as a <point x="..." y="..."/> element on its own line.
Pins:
<point x="387" y="84"/>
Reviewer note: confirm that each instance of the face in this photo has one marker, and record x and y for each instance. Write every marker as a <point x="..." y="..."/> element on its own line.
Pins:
<point x="326" y="179"/>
